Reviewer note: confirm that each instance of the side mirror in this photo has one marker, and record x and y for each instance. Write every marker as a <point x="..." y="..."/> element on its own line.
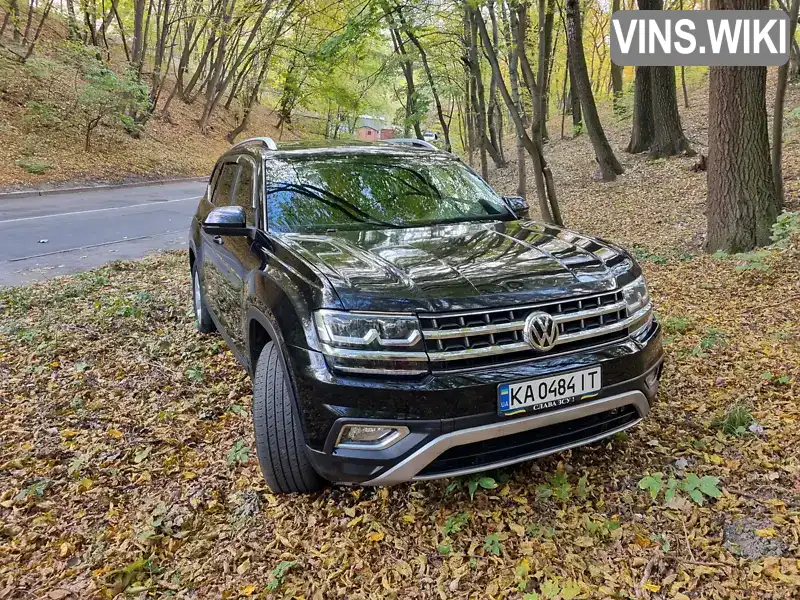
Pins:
<point x="226" y="220"/>
<point x="517" y="205"/>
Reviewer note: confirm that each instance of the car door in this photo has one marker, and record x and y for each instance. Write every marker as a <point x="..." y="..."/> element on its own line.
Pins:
<point x="214" y="265"/>
<point x="236" y="253"/>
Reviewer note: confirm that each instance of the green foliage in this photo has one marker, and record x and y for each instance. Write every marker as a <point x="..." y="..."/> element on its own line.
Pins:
<point x="557" y="487"/>
<point x="696" y="487"/>
<point x="238" y="453"/>
<point x="42" y="114"/>
<point x="492" y="545"/>
<point x="454" y="523"/>
<point x="105" y="97"/>
<point x="673" y="325"/>
<point x="195" y="373"/>
<point x="770" y="377"/>
<point x="278" y="573"/>
<point x="712" y="337"/>
<point x="736" y="420"/>
<point x="788" y="224"/>
<point x="472" y="484"/>
<point x="32" y="165"/>
<point x="643" y="255"/>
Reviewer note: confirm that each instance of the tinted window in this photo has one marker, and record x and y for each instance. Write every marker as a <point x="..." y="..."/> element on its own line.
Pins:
<point x="244" y="191"/>
<point x="224" y="185"/>
<point x="368" y="192"/>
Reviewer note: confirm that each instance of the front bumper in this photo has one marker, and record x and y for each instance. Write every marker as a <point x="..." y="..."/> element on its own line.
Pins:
<point x="454" y="427"/>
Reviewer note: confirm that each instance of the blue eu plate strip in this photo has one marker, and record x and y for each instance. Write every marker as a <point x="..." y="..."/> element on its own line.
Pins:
<point x="505" y="398"/>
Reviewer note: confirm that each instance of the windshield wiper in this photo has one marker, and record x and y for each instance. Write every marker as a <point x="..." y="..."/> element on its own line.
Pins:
<point x="337" y="202"/>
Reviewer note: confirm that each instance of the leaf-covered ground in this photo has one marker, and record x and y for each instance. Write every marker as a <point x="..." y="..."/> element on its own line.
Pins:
<point x="127" y="464"/>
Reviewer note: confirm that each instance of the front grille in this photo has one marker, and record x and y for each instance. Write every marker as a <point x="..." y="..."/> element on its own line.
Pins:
<point x="530" y="443"/>
<point x="480" y="338"/>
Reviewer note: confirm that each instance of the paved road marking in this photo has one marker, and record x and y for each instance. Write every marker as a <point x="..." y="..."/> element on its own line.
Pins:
<point x="95" y="210"/>
<point x="131" y="239"/>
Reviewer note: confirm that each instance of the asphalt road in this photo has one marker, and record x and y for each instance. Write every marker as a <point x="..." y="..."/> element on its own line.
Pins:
<point x="47" y="236"/>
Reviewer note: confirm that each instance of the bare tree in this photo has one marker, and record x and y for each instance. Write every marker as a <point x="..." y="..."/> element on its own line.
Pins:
<point x="545" y="189"/>
<point x="608" y="163"/>
<point x="777" y="116"/>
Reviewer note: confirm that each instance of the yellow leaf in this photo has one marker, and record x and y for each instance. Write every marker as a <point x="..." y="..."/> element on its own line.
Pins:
<point x="651" y="587"/>
<point x="69" y="433"/>
<point x="716" y="459"/>
<point x="376" y="536"/>
<point x="116" y="433"/>
<point x="85" y="484"/>
<point x="64" y="550"/>
<point x="584" y="541"/>
<point x="356" y="521"/>
<point x="189" y="475"/>
<point x="248" y="590"/>
<point x="767" y="532"/>
<point x="409" y="518"/>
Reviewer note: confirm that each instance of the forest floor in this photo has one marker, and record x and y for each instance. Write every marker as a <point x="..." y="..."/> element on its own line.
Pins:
<point x="127" y="462"/>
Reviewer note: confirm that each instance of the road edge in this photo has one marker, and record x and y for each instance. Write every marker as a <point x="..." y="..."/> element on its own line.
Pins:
<point x="90" y="188"/>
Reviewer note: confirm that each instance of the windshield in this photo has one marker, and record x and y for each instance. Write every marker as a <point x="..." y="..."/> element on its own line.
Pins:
<point x="372" y="192"/>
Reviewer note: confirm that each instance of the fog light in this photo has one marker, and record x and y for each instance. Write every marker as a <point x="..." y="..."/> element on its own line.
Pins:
<point x="370" y="437"/>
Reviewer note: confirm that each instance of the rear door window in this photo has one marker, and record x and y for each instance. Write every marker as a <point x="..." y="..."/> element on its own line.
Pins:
<point x="243" y="194"/>
<point x="224" y="185"/>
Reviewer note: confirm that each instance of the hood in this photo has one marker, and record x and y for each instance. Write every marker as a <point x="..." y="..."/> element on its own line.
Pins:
<point x="460" y="266"/>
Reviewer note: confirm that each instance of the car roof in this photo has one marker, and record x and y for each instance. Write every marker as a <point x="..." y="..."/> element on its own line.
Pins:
<point x="260" y="148"/>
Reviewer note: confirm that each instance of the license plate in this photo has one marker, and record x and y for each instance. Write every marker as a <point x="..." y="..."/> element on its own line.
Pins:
<point x="547" y="392"/>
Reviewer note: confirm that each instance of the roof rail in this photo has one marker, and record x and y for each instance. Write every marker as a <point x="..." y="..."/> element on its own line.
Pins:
<point x="412" y="142"/>
<point x="267" y="141"/>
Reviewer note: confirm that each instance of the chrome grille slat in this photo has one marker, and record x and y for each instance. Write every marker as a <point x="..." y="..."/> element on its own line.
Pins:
<point x="453" y="339"/>
<point x="441" y="334"/>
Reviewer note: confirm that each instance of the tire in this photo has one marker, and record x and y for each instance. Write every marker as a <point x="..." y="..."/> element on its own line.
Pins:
<point x="201" y="315"/>
<point x="280" y="443"/>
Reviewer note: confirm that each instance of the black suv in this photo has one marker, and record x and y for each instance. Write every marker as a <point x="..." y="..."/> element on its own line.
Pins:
<point x="401" y="321"/>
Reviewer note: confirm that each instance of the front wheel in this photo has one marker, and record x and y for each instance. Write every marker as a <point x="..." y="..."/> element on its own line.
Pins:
<point x="279" y="434"/>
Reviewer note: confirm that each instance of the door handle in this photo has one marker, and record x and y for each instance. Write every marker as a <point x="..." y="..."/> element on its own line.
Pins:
<point x="218" y="240"/>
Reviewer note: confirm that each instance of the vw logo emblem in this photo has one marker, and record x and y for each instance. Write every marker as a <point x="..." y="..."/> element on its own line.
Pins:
<point x="541" y="331"/>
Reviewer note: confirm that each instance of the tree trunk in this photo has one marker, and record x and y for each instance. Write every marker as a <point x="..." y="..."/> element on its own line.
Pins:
<point x="777" y="116"/>
<point x="643" y="130"/>
<point x="548" y="203"/>
<point x="476" y="83"/>
<point x="546" y="16"/>
<point x="669" y="139"/>
<point x="211" y="88"/>
<point x="138" y="32"/>
<point x="616" y="72"/>
<point x="431" y="80"/>
<point x="742" y="203"/>
<point x="608" y="163"/>
<point x="73" y="29"/>
<point x="575" y="104"/>
<point x="513" y="75"/>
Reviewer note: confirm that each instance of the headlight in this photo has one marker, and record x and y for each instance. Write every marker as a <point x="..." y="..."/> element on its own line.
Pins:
<point x="372" y="343"/>
<point x="640" y="309"/>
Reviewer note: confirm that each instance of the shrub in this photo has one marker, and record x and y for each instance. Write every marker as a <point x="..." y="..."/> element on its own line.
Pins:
<point x="788" y="224"/>
<point x="33" y="165"/>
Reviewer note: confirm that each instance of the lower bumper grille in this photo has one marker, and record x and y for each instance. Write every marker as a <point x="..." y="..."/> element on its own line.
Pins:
<point x="529" y="443"/>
